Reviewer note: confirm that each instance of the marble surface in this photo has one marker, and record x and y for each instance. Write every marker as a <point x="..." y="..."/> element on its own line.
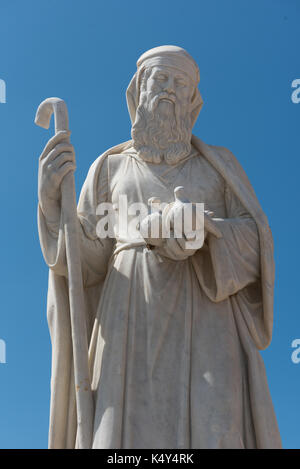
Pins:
<point x="174" y="333"/>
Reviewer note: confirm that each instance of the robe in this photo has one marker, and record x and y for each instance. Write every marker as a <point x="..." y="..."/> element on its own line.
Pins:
<point x="173" y="345"/>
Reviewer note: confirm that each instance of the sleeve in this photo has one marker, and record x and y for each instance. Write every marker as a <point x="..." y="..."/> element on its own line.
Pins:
<point x="227" y="265"/>
<point x="95" y="252"/>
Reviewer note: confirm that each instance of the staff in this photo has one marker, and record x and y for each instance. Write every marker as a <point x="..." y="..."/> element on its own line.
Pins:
<point x="84" y="401"/>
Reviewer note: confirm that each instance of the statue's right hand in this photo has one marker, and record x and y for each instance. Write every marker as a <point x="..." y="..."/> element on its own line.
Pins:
<point x="57" y="160"/>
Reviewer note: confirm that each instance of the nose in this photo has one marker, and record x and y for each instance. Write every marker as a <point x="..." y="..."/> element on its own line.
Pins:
<point x="169" y="86"/>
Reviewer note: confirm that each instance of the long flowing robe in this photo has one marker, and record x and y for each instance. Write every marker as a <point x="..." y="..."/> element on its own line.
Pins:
<point x="174" y="345"/>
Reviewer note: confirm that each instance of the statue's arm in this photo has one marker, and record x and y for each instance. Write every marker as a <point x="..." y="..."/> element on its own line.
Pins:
<point x="227" y="265"/>
<point x="96" y="251"/>
<point x="55" y="162"/>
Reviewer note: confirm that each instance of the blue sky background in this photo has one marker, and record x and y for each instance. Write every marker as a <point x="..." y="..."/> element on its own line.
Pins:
<point x="85" y="52"/>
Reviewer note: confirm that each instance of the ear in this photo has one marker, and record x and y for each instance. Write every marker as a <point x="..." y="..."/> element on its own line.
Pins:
<point x="132" y="97"/>
<point x="133" y="91"/>
<point x="196" y="105"/>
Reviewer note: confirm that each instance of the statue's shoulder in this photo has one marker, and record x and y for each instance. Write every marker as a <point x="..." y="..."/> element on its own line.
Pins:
<point x="233" y="163"/>
<point x="226" y="155"/>
<point x="117" y="150"/>
<point x="225" y="161"/>
<point x="97" y="174"/>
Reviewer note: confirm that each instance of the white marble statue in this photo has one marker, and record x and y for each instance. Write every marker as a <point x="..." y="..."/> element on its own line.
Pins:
<point x="174" y="333"/>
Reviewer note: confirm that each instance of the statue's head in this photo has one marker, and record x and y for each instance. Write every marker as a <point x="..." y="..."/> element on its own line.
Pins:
<point x="164" y="102"/>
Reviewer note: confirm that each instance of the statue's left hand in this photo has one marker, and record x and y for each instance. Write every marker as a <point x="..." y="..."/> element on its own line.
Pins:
<point x="175" y="249"/>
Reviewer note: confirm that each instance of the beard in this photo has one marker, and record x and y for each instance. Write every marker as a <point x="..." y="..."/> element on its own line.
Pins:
<point x="162" y="129"/>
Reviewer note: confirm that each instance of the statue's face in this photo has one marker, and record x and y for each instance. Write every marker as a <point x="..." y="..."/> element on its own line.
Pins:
<point x="175" y="84"/>
<point x="163" y="125"/>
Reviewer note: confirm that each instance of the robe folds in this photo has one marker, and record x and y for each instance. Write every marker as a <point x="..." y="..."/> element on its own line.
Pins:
<point x="173" y="345"/>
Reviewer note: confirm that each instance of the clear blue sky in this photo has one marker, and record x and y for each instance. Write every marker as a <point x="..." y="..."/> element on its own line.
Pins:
<point x="85" y="52"/>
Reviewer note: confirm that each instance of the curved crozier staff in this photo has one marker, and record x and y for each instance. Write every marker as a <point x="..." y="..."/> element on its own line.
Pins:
<point x="84" y="402"/>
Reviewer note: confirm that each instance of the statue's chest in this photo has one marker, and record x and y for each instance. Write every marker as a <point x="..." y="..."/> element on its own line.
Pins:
<point x="139" y="181"/>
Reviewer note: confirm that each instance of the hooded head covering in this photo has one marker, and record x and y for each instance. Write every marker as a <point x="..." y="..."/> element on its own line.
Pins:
<point x="170" y="56"/>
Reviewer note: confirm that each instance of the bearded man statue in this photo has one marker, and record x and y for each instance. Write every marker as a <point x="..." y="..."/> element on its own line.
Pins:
<point x="174" y="333"/>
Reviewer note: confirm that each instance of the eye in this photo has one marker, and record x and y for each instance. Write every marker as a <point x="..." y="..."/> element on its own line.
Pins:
<point x="161" y="77"/>
<point x="180" y="82"/>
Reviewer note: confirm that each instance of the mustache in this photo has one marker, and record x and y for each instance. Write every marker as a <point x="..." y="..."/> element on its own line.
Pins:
<point x="168" y="96"/>
<point x="154" y="100"/>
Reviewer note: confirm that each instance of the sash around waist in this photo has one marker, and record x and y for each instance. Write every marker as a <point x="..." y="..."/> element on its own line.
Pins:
<point x="122" y="244"/>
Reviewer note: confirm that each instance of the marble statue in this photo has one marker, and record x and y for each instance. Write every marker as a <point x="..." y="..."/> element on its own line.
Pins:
<point x="173" y="331"/>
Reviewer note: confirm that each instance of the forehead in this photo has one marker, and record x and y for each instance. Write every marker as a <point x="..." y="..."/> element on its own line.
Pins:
<point x="175" y="72"/>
